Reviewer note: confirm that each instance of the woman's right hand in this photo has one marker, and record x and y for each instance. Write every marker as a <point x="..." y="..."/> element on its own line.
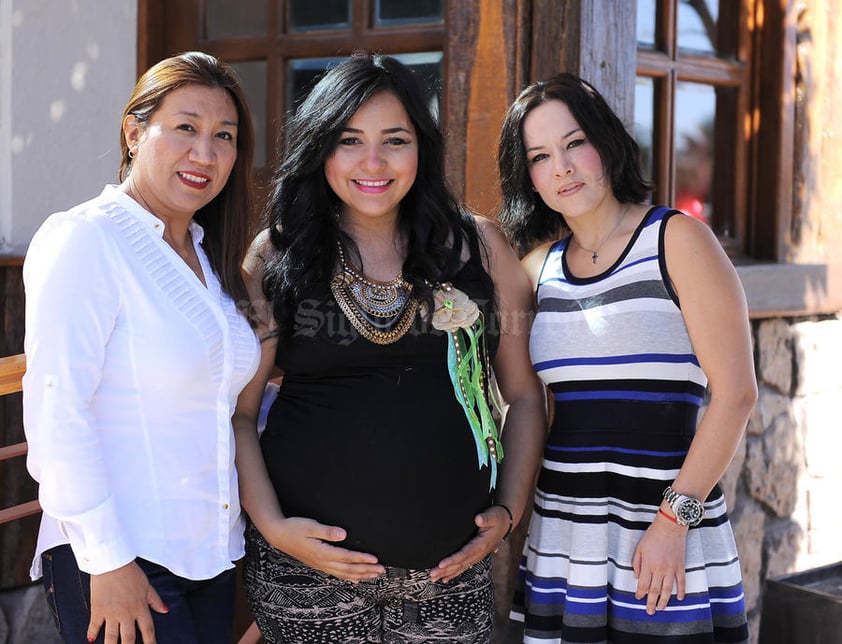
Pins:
<point x="121" y="599"/>
<point x="309" y="542"/>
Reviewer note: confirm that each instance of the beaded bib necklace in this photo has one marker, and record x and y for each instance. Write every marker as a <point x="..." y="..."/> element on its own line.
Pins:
<point x="381" y="312"/>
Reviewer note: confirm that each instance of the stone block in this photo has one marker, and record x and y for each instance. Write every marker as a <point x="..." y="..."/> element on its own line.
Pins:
<point x="774" y="464"/>
<point x="770" y="405"/>
<point x="825" y="520"/>
<point x="774" y="346"/>
<point x="783" y="543"/>
<point x="818" y="417"/>
<point x="817" y="347"/>
<point x="749" y="527"/>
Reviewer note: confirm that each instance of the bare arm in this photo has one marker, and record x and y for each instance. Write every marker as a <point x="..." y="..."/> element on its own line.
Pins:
<point x="524" y="423"/>
<point x="714" y="308"/>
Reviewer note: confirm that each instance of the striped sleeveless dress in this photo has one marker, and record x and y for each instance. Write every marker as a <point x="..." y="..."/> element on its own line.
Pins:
<point x="615" y="353"/>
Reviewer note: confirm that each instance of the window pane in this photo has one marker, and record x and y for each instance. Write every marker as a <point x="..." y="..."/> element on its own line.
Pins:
<point x="695" y="110"/>
<point x="253" y="79"/>
<point x="310" y="15"/>
<point x="697" y="29"/>
<point x="304" y="72"/>
<point x="403" y="12"/>
<point x="644" y="121"/>
<point x="226" y="19"/>
<point x="646" y="13"/>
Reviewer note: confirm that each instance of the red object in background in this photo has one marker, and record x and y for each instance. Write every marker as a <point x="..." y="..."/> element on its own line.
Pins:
<point x="693" y="206"/>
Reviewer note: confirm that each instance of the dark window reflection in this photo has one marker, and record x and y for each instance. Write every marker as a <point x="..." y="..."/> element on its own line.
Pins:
<point x="310" y="15"/>
<point x="303" y="73"/>
<point x="401" y="11"/>
<point x="253" y="79"/>
<point x="226" y="19"/>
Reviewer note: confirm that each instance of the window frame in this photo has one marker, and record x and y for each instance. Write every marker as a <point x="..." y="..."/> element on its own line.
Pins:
<point x="668" y="66"/>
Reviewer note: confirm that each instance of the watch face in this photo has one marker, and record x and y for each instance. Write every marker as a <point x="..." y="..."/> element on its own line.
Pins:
<point x="689" y="512"/>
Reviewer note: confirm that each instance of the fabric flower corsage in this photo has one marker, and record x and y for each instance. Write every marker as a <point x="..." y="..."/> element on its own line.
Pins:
<point x="467" y="361"/>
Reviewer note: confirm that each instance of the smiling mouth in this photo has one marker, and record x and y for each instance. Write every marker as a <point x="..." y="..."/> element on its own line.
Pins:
<point x="378" y="183"/>
<point x="193" y="178"/>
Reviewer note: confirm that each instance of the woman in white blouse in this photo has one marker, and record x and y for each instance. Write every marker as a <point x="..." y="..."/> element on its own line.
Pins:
<point x="136" y="352"/>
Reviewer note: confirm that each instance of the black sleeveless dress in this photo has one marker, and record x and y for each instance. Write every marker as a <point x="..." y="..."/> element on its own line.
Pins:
<point x="371" y="438"/>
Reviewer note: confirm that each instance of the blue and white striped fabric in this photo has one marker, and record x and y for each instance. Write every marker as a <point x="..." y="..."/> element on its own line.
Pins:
<point x="615" y="353"/>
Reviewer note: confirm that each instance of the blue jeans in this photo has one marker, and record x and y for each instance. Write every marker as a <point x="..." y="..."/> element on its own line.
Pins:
<point x="201" y="612"/>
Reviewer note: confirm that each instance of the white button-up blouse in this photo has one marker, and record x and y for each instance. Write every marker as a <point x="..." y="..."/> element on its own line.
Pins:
<point x="133" y="372"/>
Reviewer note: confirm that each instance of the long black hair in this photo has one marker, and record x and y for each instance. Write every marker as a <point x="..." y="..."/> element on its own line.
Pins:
<point x="302" y="219"/>
<point x="524" y="216"/>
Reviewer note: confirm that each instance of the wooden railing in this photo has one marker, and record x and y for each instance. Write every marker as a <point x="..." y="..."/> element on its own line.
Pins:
<point x="11" y="373"/>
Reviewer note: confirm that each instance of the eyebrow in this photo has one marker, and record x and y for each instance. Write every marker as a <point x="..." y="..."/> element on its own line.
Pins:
<point x="195" y="115"/>
<point x="564" y="136"/>
<point x="388" y="130"/>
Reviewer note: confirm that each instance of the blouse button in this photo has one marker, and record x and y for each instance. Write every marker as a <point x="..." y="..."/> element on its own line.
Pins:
<point x="224" y="506"/>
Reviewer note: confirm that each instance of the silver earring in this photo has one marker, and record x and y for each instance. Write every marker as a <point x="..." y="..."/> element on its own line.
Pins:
<point x="131" y="153"/>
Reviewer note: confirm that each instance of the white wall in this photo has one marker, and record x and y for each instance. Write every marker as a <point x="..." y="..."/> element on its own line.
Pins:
<point x="66" y="70"/>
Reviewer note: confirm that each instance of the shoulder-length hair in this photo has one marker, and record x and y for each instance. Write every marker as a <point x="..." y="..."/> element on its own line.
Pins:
<point x="524" y="215"/>
<point x="225" y="219"/>
<point x="303" y="217"/>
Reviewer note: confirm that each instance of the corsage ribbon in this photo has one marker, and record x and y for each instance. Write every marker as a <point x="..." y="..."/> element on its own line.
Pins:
<point x="467" y="362"/>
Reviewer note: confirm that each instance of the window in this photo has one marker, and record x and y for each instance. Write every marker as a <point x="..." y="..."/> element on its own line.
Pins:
<point x="279" y="48"/>
<point x="692" y="97"/>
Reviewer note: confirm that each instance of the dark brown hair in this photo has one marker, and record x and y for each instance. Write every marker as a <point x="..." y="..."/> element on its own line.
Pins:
<point x="225" y="219"/>
<point x="524" y="216"/>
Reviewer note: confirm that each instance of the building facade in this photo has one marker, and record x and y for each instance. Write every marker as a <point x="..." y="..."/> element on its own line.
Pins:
<point x="732" y="102"/>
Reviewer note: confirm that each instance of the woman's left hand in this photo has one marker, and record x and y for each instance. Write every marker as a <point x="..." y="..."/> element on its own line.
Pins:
<point x="493" y="524"/>
<point x="658" y="564"/>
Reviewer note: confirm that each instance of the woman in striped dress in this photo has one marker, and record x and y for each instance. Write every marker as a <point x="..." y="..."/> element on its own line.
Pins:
<point x="639" y="310"/>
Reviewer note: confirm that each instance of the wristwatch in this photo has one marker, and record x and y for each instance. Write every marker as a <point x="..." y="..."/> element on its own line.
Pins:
<point x="688" y="511"/>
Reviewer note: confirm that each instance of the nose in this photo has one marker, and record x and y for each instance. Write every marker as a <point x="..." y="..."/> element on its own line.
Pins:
<point x="373" y="157"/>
<point x="202" y="150"/>
<point x="561" y="165"/>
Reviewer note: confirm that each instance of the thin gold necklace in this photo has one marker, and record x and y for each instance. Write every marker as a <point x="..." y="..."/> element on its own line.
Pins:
<point x="595" y="252"/>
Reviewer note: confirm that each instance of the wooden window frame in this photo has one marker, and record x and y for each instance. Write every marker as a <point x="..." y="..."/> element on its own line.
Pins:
<point x="668" y="66"/>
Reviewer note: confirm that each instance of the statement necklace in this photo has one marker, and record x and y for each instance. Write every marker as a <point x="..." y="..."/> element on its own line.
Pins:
<point x="381" y="312"/>
<point x="595" y="252"/>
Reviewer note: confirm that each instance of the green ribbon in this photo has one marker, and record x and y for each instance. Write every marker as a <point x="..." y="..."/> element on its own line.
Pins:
<point x="469" y="372"/>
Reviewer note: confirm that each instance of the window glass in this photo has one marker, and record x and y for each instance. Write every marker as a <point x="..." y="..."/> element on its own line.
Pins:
<point x="401" y="11"/>
<point x="311" y="15"/>
<point x="253" y="79"/>
<point x="644" y="120"/>
<point x="225" y="19"/>
<point x="646" y="23"/>
<point x="695" y="117"/>
<point x="697" y="28"/>
<point x="303" y="73"/>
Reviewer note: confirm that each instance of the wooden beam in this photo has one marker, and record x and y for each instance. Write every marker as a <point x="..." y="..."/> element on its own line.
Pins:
<point x="485" y="67"/>
<point x="12" y="369"/>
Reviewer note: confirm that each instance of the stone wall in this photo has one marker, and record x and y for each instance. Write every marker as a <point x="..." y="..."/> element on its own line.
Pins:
<point x="783" y="485"/>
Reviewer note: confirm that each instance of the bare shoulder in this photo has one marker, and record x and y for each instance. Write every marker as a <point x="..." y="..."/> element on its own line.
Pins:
<point x="490" y="232"/>
<point x="695" y="258"/>
<point x="533" y="261"/>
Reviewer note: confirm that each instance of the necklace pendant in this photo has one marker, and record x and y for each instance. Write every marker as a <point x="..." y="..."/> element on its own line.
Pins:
<point x="594" y="257"/>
